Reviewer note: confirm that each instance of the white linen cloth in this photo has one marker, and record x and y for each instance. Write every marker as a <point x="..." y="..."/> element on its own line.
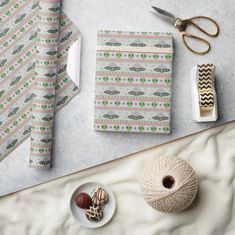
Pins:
<point x="44" y="209"/>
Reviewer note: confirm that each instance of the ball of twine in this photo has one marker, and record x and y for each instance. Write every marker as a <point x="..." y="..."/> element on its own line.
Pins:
<point x="169" y="184"/>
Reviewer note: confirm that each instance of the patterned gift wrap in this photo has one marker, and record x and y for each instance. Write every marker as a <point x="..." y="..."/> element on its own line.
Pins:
<point x="35" y="37"/>
<point x="133" y="81"/>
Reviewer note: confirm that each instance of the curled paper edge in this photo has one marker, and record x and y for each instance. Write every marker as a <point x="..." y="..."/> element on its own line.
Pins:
<point x="73" y="62"/>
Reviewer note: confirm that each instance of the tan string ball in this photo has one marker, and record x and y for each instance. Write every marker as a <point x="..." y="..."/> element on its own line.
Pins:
<point x="169" y="184"/>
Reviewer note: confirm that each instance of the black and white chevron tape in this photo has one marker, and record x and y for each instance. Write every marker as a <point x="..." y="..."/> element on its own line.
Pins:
<point x="206" y="96"/>
<point x="206" y="99"/>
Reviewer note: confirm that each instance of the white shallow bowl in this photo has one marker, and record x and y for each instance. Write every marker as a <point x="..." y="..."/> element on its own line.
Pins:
<point x="108" y="208"/>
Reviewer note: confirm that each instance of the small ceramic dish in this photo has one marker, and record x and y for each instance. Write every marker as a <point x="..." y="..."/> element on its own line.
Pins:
<point x="108" y="208"/>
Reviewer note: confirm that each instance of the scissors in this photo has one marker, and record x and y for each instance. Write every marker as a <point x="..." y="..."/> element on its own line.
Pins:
<point x="182" y="25"/>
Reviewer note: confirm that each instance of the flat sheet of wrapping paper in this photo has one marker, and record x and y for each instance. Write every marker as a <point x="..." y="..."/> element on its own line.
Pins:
<point x="33" y="64"/>
<point x="133" y="81"/>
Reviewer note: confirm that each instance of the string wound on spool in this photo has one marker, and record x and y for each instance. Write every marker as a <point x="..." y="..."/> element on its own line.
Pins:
<point x="169" y="184"/>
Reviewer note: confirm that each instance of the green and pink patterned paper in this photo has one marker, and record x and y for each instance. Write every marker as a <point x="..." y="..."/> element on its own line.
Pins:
<point x="133" y="81"/>
<point x="35" y="37"/>
<point x="46" y="72"/>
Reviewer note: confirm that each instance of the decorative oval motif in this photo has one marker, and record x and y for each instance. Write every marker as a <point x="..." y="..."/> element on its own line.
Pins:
<point x="29" y="97"/>
<point x="44" y="163"/>
<point x="53" y="31"/>
<point x="112" y="67"/>
<point x="27" y="130"/>
<point x="136" y="92"/>
<point x="113" y="42"/>
<point x="111" y="115"/>
<point x="2" y="92"/>
<point x="11" y="144"/>
<point x="49" y="96"/>
<point x="112" y="91"/>
<point x="17" y="49"/>
<point x="54" y="9"/>
<point x="33" y="35"/>
<point x="3" y="62"/>
<point x="19" y="18"/>
<point x="46" y="140"/>
<point x="35" y="4"/>
<point x="162" y="44"/>
<point x="160" y="117"/>
<point x="161" y="69"/>
<point x="51" y="52"/>
<point x="31" y="66"/>
<point x="13" y="111"/>
<point x="4" y="3"/>
<point x="161" y="93"/>
<point x="137" y="43"/>
<point x="137" y="68"/>
<point x="135" y="116"/>
<point x="66" y="37"/>
<point x="62" y="101"/>
<point x="15" y="80"/>
<point x="47" y="118"/>
<point x="3" y="32"/>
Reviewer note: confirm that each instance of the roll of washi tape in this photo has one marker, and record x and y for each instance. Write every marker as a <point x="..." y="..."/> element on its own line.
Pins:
<point x="203" y="93"/>
<point x="206" y="95"/>
<point x="206" y="99"/>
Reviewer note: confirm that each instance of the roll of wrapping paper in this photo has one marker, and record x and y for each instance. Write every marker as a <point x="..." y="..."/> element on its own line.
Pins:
<point x="44" y="83"/>
<point x="19" y="47"/>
